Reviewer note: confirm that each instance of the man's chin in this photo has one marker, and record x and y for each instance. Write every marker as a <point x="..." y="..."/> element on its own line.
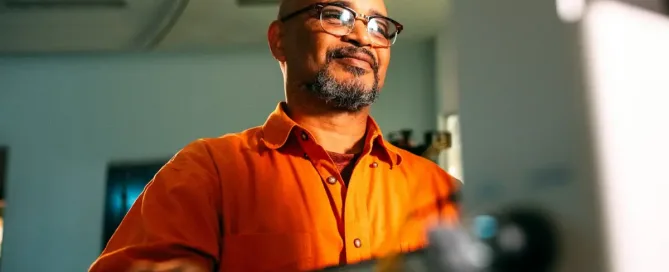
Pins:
<point x="360" y="85"/>
<point x="348" y="106"/>
<point x="343" y="90"/>
<point x="346" y="78"/>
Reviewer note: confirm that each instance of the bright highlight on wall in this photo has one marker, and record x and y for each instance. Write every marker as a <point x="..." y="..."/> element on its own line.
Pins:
<point x="570" y="10"/>
<point x="451" y="159"/>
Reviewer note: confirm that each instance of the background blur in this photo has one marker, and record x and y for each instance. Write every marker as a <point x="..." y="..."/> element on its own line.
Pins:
<point x="97" y="90"/>
<point x="89" y="84"/>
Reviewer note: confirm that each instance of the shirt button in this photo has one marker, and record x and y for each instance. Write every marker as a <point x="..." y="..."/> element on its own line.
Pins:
<point x="331" y="180"/>
<point x="357" y="243"/>
<point x="304" y="136"/>
<point x="374" y="165"/>
<point x="306" y="156"/>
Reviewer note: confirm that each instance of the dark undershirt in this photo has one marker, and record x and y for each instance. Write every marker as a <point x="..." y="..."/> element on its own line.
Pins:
<point x="345" y="163"/>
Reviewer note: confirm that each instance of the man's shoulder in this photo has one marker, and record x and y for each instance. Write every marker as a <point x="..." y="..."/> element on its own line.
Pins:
<point x="214" y="151"/>
<point x="242" y="139"/>
<point x="418" y="165"/>
<point x="426" y="176"/>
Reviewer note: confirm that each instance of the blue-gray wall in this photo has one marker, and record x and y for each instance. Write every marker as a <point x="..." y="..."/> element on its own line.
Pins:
<point x="66" y="117"/>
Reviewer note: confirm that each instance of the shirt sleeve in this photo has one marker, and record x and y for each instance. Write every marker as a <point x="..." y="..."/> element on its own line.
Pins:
<point x="177" y="216"/>
<point x="436" y="195"/>
<point x="449" y="195"/>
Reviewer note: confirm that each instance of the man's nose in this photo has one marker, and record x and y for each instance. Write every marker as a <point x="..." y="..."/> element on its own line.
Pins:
<point x="358" y="35"/>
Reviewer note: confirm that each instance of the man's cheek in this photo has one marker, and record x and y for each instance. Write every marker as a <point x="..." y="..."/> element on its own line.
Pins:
<point x="382" y="72"/>
<point x="382" y="81"/>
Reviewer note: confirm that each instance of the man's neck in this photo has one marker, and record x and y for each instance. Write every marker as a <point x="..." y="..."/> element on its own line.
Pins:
<point x="336" y="131"/>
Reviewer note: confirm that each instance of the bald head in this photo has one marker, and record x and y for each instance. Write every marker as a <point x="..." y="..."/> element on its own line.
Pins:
<point x="288" y="6"/>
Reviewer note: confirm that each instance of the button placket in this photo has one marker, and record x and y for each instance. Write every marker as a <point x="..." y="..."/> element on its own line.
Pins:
<point x="357" y="222"/>
<point x="326" y="170"/>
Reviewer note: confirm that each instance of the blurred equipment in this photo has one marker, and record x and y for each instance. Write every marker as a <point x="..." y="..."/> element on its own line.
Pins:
<point x="570" y="118"/>
<point x="433" y="142"/>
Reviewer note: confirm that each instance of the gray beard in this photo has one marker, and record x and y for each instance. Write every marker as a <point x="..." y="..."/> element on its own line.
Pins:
<point x="348" y="96"/>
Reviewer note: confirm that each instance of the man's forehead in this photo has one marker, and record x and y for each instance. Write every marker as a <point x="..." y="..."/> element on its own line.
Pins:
<point x="369" y="7"/>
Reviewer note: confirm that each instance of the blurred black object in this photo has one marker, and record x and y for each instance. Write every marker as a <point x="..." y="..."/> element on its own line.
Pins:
<point x="433" y="142"/>
<point x="525" y="240"/>
<point x="412" y="261"/>
<point x="517" y="240"/>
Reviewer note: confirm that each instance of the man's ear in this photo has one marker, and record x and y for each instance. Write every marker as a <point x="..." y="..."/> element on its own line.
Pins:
<point x="274" y="35"/>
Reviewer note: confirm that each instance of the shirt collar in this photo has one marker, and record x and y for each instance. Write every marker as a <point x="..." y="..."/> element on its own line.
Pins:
<point x="278" y="128"/>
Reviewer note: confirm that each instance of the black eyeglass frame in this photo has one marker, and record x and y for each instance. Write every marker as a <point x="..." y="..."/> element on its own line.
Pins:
<point x="318" y="7"/>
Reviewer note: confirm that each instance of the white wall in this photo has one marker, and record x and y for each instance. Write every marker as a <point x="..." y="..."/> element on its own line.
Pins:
<point x="523" y="120"/>
<point x="66" y="117"/>
<point x="446" y="81"/>
<point x="447" y="92"/>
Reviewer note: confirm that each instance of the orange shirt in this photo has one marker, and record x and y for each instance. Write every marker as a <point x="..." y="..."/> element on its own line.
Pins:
<point x="271" y="199"/>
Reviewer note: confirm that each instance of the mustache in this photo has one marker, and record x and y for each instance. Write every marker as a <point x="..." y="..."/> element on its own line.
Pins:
<point x="342" y="52"/>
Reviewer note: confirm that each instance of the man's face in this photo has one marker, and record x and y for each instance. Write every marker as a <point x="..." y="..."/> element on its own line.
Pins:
<point x="345" y="71"/>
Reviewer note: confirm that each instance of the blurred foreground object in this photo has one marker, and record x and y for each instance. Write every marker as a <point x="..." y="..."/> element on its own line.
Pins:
<point x="520" y="240"/>
<point x="168" y="266"/>
<point x="570" y="118"/>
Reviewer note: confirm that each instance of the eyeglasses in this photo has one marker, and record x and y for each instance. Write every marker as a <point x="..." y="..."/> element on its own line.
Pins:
<point x="339" y="20"/>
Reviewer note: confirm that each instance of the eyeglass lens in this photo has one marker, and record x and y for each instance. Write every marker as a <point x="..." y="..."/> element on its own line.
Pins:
<point x="340" y="21"/>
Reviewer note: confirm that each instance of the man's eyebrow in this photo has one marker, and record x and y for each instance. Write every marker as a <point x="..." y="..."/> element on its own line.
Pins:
<point x="371" y="12"/>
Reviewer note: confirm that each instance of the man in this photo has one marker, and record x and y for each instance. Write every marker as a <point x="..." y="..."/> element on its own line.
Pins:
<point x="315" y="186"/>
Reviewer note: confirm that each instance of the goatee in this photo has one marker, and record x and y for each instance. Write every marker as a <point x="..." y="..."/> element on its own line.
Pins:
<point x="350" y="95"/>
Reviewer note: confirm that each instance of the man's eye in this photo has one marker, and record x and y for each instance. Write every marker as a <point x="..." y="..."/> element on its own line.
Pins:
<point x="333" y="15"/>
<point x="378" y="27"/>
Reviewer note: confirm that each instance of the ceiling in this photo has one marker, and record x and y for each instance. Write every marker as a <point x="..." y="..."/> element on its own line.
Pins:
<point x="167" y="24"/>
<point x="222" y="22"/>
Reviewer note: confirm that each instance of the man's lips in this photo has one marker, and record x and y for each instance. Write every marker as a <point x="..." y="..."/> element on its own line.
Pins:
<point x="360" y="60"/>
